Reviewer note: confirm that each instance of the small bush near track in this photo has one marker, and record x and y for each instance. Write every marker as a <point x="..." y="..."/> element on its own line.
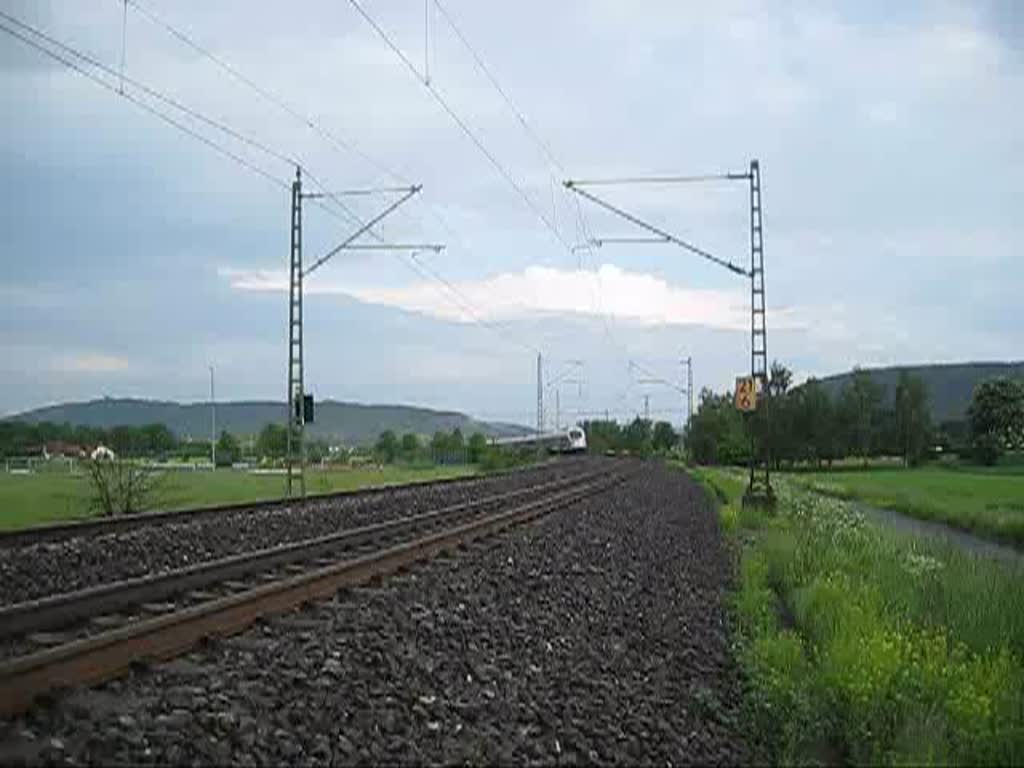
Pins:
<point x="869" y="646"/>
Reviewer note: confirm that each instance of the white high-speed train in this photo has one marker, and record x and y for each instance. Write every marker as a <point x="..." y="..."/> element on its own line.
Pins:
<point x="572" y="440"/>
<point x="575" y="440"/>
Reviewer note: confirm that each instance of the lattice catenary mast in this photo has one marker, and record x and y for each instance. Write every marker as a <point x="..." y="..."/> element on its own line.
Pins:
<point x="299" y="404"/>
<point x="759" y="488"/>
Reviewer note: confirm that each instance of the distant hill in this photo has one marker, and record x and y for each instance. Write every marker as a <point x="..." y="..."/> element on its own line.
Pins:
<point x="950" y="386"/>
<point x="348" y="423"/>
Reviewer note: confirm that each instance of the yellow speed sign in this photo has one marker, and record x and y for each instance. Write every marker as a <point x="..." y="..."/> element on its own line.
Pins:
<point x="746" y="393"/>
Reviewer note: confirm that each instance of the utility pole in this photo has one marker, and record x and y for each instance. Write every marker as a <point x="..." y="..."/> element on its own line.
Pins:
<point x="558" y="410"/>
<point x="759" y="490"/>
<point x="688" y="362"/>
<point x="213" y="422"/>
<point x="760" y="478"/>
<point x="296" y="445"/>
<point x="647" y="407"/>
<point x="299" y="407"/>
<point x="540" y="402"/>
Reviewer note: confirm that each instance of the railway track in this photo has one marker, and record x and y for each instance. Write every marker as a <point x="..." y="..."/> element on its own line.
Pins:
<point x="106" y="629"/>
<point x="77" y="560"/>
<point x="102" y="525"/>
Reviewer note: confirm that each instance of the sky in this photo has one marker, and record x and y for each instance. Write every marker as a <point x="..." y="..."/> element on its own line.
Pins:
<point x="890" y="139"/>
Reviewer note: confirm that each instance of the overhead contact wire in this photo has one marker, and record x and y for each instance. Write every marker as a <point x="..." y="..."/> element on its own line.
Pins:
<point x="127" y="95"/>
<point x="505" y="174"/>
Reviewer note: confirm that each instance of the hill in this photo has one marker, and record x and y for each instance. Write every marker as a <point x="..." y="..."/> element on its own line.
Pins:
<point x="950" y="386"/>
<point x="348" y="423"/>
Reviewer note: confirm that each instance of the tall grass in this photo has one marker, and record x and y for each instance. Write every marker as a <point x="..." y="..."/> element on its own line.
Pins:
<point x="870" y="642"/>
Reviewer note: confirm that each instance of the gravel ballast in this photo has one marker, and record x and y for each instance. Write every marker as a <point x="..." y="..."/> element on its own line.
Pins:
<point x="36" y="570"/>
<point x="594" y="635"/>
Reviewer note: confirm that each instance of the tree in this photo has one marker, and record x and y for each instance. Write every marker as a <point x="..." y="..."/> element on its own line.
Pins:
<point x="636" y="438"/>
<point x="410" y="446"/>
<point x="120" y="486"/>
<point x="439" y="446"/>
<point x="774" y="416"/>
<point x="912" y="417"/>
<point x="228" y="449"/>
<point x="272" y="441"/>
<point x="717" y="434"/>
<point x="448" y="448"/>
<point x="157" y="438"/>
<point x="477" y="446"/>
<point x="456" y="441"/>
<point x="602" y="435"/>
<point x="859" y="405"/>
<point x="996" y="418"/>
<point x="813" y="423"/>
<point x="779" y="379"/>
<point x="387" y="446"/>
<point x="664" y="437"/>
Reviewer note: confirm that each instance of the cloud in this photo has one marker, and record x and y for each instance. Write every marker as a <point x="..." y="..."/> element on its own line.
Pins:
<point x="90" y="363"/>
<point x="885" y="252"/>
<point x="632" y="297"/>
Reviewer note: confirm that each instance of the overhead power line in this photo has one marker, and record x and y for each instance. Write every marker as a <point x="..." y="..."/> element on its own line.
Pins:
<point x="655" y="378"/>
<point x="159" y="96"/>
<point x="175" y="104"/>
<point x="343" y="212"/>
<point x="463" y="126"/>
<point x="66" y="55"/>
<point x="314" y="125"/>
<point x="69" y="63"/>
<point x="468" y="306"/>
<point x="543" y="145"/>
<point x="546" y="150"/>
<point x="537" y="139"/>
<point x="520" y="117"/>
<point x="332" y="139"/>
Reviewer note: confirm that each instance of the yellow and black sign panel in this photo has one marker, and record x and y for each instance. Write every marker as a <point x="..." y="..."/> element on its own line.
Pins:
<point x="746" y="393"/>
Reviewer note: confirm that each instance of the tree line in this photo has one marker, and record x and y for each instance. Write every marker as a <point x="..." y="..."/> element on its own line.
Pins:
<point x="640" y="437"/>
<point x="19" y="438"/>
<point x="805" y="425"/>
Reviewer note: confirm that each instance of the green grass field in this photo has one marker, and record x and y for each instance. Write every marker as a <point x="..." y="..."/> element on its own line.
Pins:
<point x="987" y="502"/>
<point x="49" y="497"/>
<point x="863" y="645"/>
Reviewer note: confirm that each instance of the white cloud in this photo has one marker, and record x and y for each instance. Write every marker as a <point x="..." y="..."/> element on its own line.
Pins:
<point x="632" y="297"/>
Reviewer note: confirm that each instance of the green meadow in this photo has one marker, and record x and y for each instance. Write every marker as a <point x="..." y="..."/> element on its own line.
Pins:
<point x="48" y="497"/>
<point x="989" y="502"/>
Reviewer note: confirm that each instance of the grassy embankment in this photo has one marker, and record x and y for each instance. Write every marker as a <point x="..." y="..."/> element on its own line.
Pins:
<point x="874" y="644"/>
<point x="988" y="502"/>
<point x="50" y="497"/>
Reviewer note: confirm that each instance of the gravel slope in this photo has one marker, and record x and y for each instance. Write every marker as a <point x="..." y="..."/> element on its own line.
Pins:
<point x="47" y="568"/>
<point x="595" y="635"/>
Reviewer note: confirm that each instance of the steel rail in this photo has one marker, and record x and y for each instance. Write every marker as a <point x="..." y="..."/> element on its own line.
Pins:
<point x="51" y="531"/>
<point x="67" y="608"/>
<point x="101" y="657"/>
